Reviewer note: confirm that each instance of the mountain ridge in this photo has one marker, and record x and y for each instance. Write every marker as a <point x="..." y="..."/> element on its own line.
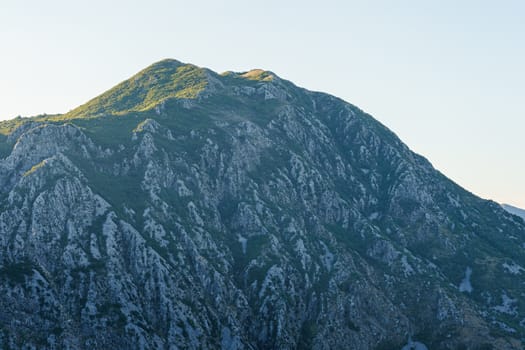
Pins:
<point x="514" y="210"/>
<point x="143" y="91"/>
<point x="254" y="214"/>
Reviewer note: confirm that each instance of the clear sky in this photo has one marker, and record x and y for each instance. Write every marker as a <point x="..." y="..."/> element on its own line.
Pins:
<point x="447" y="76"/>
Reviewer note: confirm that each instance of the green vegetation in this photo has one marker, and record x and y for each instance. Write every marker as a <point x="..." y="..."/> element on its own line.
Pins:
<point x="8" y="126"/>
<point x="251" y="77"/>
<point x="198" y="142"/>
<point x="145" y="90"/>
<point x="16" y="272"/>
<point x="35" y="168"/>
<point x="137" y="97"/>
<point x="160" y="82"/>
<point x="307" y="335"/>
<point x="111" y="130"/>
<point x="117" y="190"/>
<point x="258" y="75"/>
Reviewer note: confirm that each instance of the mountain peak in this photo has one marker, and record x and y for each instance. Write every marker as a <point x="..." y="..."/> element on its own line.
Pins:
<point x="166" y="62"/>
<point x="257" y="215"/>
<point x="160" y="81"/>
<point x="167" y="79"/>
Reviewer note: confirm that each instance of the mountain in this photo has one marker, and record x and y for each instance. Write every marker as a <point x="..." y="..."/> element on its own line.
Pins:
<point x="185" y="209"/>
<point x="514" y="210"/>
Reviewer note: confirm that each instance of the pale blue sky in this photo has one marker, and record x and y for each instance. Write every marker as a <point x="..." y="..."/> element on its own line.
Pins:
<point x="447" y="76"/>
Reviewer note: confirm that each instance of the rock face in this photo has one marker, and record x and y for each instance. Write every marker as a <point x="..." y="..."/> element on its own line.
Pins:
<point x="189" y="210"/>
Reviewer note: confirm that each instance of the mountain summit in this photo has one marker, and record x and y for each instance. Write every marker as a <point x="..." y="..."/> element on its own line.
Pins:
<point x="164" y="80"/>
<point x="189" y="209"/>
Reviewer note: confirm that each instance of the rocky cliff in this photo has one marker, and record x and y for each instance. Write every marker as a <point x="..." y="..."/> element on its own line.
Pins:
<point x="184" y="209"/>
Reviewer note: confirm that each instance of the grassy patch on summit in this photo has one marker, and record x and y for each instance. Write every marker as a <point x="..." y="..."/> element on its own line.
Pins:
<point x="145" y="90"/>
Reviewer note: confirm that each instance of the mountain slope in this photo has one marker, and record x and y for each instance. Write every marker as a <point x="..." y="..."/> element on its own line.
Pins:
<point x="514" y="210"/>
<point x="239" y="211"/>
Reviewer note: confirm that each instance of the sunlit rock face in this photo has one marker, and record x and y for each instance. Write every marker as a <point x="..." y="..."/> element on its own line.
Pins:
<point x="187" y="209"/>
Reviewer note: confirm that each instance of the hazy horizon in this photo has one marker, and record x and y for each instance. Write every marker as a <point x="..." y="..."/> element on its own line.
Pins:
<point x="446" y="78"/>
